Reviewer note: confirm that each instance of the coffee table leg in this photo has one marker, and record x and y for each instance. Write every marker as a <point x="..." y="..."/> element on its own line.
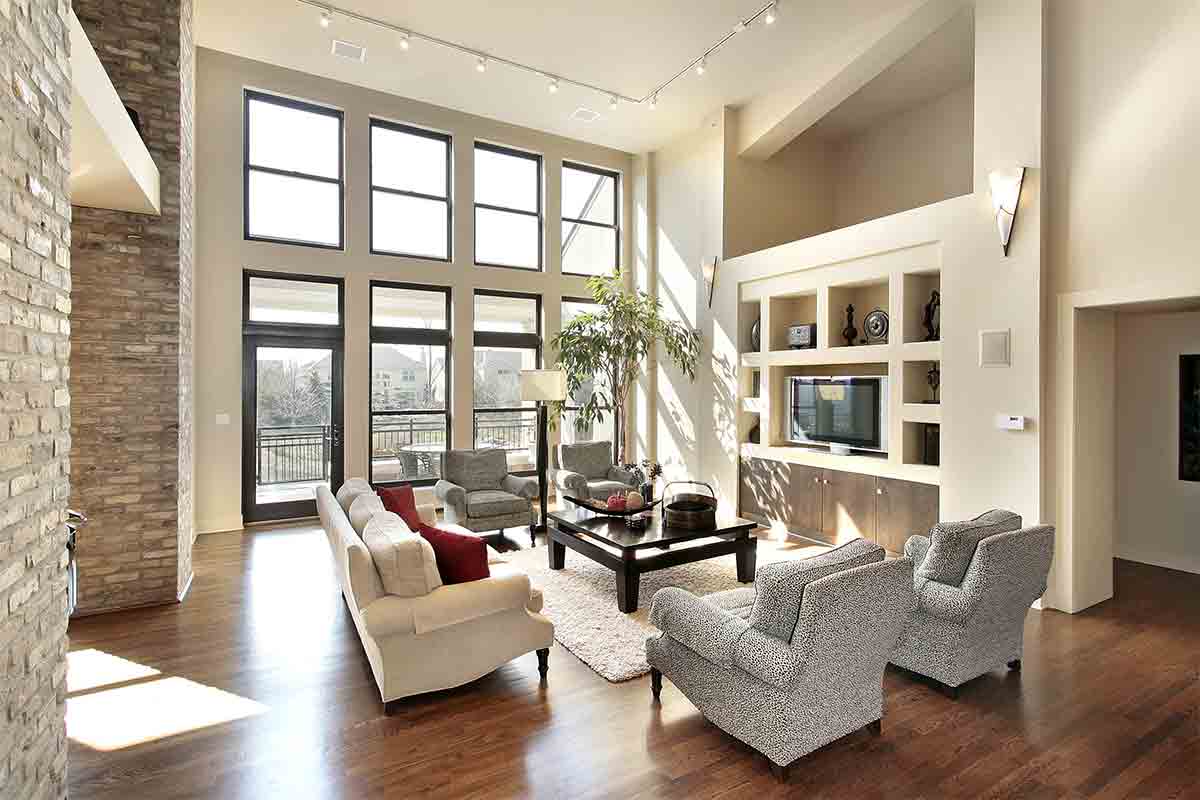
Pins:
<point x="627" y="590"/>
<point x="556" y="550"/>
<point x="747" y="559"/>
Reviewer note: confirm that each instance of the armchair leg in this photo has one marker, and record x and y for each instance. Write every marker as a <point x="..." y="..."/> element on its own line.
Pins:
<point x="950" y="691"/>
<point x="875" y="728"/>
<point x="655" y="683"/>
<point x="543" y="661"/>
<point x="781" y="773"/>
<point x="1015" y="665"/>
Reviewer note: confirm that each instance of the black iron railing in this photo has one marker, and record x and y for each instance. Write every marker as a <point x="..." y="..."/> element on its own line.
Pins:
<point x="508" y="429"/>
<point x="293" y="454"/>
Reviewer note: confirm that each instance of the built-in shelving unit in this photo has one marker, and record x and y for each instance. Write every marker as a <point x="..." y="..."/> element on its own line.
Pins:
<point x="898" y="283"/>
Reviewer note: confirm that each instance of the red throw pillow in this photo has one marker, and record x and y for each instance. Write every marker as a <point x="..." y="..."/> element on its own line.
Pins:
<point x="460" y="558"/>
<point x="401" y="500"/>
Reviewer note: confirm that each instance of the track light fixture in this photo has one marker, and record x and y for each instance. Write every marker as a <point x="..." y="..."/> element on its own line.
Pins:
<point x="768" y="13"/>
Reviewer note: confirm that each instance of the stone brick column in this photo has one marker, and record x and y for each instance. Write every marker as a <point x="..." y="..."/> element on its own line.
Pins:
<point x="131" y="362"/>
<point x="35" y="286"/>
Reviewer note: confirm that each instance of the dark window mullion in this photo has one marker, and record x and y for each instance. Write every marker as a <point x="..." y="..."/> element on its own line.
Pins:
<point x="507" y="210"/>
<point x="287" y="173"/>
<point x="590" y="223"/>
<point x="433" y="198"/>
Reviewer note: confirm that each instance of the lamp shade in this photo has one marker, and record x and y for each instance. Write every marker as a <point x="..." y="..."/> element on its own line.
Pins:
<point x="547" y="385"/>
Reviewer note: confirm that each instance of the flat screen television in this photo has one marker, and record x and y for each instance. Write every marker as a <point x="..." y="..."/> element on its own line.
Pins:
<point x="851" y="411"/>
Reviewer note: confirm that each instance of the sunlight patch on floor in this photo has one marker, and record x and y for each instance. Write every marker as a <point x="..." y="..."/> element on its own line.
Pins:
<point x="114" y="719"/>
<point x="91" y="669"/>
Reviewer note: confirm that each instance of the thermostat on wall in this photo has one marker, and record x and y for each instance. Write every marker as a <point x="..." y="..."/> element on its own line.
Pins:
<point x="1006" y="423"/>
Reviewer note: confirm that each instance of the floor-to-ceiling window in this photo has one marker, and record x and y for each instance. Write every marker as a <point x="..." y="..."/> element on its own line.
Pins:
<point x="410" y="381"/>
<point x="591" y="232"/>
<point x="508" y="339"/>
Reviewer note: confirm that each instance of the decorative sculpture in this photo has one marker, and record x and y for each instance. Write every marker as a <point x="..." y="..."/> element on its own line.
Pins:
<point x="934" y="379"/>
<point x="849" y="333"/>
<point x="932" y="319"/>
<point x="876" y="326"/>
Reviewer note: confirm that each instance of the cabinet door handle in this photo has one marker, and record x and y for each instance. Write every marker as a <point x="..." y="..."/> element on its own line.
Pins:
<point x="816" y="480"/>
<point x="879" y="491"/>
<point x="826" y="481"/>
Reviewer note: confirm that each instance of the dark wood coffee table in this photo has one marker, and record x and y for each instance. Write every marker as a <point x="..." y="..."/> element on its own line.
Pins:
<point x="597" y="536"/>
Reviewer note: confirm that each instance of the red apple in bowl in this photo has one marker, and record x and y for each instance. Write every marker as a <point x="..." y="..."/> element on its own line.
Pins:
<point x="616" y="502"/>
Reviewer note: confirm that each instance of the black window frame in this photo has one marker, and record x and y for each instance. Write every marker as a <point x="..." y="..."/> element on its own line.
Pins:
<point x="540" y="214"/>
<point x="287" y="102"/>
<point x="380" y="334"/>
<point x="524" y="341"/>
<point x="303" y="329"/>
<point x="411" y="130"/>
<point x="616" y="223"/>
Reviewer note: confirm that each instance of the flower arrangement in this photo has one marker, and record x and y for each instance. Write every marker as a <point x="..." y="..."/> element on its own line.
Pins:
<point x="644" y="475"/>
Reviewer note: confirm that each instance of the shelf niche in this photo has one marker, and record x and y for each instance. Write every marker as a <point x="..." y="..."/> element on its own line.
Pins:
<point x="865" y="297"/>
<point x="916" y="383"/>
<point x="788" y="310"/>
<point x="748" y="313"/>
<point x="918" y="288"/>
<point x="915" y="447"/>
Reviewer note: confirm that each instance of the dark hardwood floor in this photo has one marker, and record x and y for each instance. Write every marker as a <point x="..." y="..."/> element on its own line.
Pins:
<point x="1106" y="706"/>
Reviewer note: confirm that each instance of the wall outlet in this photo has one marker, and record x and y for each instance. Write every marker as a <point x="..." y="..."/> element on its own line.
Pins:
<point x="1008" y="423"/>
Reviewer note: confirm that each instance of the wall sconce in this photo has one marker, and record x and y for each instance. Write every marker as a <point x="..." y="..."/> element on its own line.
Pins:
<point x="1006" y="195"/>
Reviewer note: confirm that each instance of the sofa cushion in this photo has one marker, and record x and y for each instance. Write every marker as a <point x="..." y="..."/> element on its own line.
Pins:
<point x="401" y="500"/>
<point x="364" y="507"/>
<point x="494" y="503"/>
<point x="405" y="560"/>
<point x="350" y="490"/>
<point x="475" y="469"/>
<point x="589" y="459"/>
<point x="952" y="544"/>
<point x="460" y="558"/>
<point x="779" y="587"/>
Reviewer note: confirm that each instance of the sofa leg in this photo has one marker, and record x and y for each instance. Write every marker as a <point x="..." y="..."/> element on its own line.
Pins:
<point x="1015" y="665"/>
<point x="655" y="683"/>
<point x="875" y="728"/>
<point x="543" y="661"/>
<point x="781" y="772"/>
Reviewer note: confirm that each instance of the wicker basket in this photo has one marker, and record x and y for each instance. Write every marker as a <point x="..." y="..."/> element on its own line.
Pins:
<point x="690" y="511"/>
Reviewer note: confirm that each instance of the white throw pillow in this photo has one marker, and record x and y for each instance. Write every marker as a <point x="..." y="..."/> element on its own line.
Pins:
<point x="405" y="561"/>
<point x="350" y="490"/>
<point x="362" y="509"/>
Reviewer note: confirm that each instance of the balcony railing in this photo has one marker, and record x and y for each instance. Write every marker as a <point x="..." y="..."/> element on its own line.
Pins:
<point x="293" y="454"/>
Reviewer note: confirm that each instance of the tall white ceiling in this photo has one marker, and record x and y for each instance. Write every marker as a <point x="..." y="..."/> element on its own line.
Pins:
<point x="628" y="46"/>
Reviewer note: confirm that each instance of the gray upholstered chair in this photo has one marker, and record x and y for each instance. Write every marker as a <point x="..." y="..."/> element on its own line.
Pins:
<point x="974" y="582"/>
<point x="797" y="661"/>
<point x="585" y="469"/>
<point x="477" y="492"/>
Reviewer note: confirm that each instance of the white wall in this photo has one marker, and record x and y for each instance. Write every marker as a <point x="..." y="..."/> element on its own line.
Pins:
<point x="222" y="254"/>
<point x="912" y="159"/>
<point x="1157" y="513"/>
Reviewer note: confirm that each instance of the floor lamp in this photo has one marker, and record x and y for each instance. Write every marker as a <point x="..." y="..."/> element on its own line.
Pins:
<point x="543" y="386"/>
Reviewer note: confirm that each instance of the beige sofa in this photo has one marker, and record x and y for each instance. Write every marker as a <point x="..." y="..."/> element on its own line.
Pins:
<point x="445" y="638"/>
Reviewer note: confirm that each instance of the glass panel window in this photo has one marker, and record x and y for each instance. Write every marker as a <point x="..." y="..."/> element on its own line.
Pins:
<point x="498" y="376"/>
<point x="591" y="235"/>
<point x="410" y="382"/>
<point x="293" y="301"/>
<point x="570" y="430"/>
<point x="508" y="207"/>
<point x="410" y="195"/>
<point x="505" y="314"/>
<point x="514" y="432"/>
<point x="294" y="171"/>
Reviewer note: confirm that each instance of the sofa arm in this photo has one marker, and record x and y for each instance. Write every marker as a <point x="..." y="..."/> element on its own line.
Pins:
<point x="621" y="475"/>
<point x="428" y="513"/>
<point x="526" y="488"/>
<point x="453" y="498"/>
<point x="916" y="548"/>
<point x="570" y="482"/>
<point x="707" y="630"/>
<point x="447" y="605"/>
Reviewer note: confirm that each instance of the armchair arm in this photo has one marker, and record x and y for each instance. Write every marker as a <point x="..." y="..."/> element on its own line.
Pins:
<point x="570" y="482"/>
<point x="952" y="603"/>
<point x="771" y="660"/>
<point x="428" y="513"/>
<point x="453" y="497"/>
<point x="621" y="476"/>
<point x="705" y="629"/>
<point x="916" y="548"/>
<point x="521" y="487"/>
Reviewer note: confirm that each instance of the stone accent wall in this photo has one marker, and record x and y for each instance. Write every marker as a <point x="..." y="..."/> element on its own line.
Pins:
<point x="131" y="364"/>
<point x="35" y="286"/>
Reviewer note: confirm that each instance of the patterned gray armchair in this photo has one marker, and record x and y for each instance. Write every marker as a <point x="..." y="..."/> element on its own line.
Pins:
<point x="585" y="469"/>
<point x="797" y="661"/>
<point x="974" y="582"/>
<point x="477" y="492"/>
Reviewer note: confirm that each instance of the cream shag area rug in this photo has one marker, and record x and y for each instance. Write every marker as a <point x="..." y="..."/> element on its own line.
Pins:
<point x="581" y="601"/>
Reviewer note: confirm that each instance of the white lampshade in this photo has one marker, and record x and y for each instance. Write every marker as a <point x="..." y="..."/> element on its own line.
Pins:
<point x="547" y="385"/>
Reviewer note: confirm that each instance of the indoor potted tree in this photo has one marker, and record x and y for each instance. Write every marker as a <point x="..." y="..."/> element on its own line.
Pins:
<point x="606" y="347"/>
